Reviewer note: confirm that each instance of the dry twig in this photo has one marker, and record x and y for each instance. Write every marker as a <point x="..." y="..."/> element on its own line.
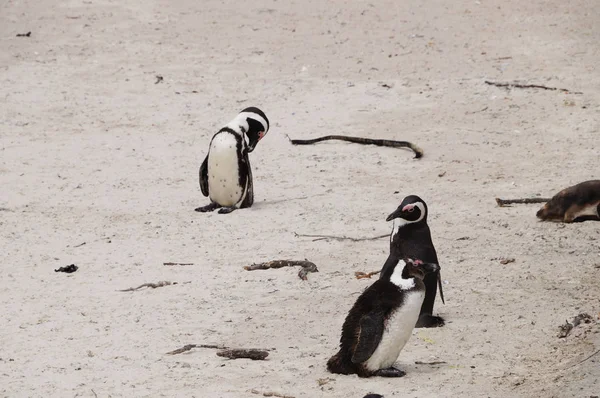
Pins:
<point x="306" y="265"/>
<point x="270" y="394"/>
<point x="232" y="353"/>
<point x="363" y="275"/>
<point x="169" y="263"/>
<point x="188" y="347"/>
<point x="321" y="237"/>
<point x="250" y="353"/>
<point x="366" y="141"/>
<point x="518" y="85"/>
<point x="504" y="202"/>
<point x="583" y="360"/>
<point x="152" y="285"/>
<point x="430" y="363"/>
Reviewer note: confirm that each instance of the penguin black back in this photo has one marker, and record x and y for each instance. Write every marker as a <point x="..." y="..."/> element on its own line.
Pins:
<point x="380" y="323"/>
<point x="411" y="238"/>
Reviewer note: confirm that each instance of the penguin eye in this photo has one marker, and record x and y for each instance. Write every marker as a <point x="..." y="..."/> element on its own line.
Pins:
<point x="411" y="209"/>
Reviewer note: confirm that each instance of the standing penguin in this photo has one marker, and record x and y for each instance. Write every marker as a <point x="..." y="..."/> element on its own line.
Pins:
<point x="225" y="174"/>
<point x="411" y="238"/>
<point x="381" y="322"/>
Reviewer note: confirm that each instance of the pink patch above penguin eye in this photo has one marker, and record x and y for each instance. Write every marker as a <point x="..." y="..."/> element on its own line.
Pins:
<point x="418" y="262"/>
<point x="410" y="208"/>
<point x="261" y="135"/>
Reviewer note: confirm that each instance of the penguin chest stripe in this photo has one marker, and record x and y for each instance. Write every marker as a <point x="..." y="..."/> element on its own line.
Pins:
<point x="397" y="331"/>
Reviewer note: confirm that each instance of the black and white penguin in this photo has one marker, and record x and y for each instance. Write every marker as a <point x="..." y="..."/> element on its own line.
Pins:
<point x="580" y="202"/>
<point x="411" y="238"/>
<point x="225" y="174"/>
<point x="381" y="322"/>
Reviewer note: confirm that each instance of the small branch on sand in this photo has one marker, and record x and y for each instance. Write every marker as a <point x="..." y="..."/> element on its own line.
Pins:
<point x="79" y="245"/>
<point x="325" y="237"/>
<point x="504" y="202"/>
<point x="363" y="275"/>
<point x="365" y="141"/>
<point x="582" y="361"/>
<point x="28" y="34"/>
<point x="306" y="265"/>
<point x="178" y="263"/>
<point x="225" y="351"/>
<point x="152" y="285"/>
<point x="430" y="363"/>
<point x="517" y="85"/>
<point x="189" y="347"/>
<point x="255" y="355"/>
<point x="271" y="394"/>
<point x="564" y="330"/>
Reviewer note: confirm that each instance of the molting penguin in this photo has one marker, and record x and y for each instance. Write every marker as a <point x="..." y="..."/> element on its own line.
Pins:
<point x="411" y="238"/>
<point x="381" y="322"/>
<point x="225" y="174"/>
<point x="580" y="202"/>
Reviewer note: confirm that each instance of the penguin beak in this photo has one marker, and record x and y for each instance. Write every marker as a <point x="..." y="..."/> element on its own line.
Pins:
<point x="430" y="267"/>
<point x="395" y="214"/>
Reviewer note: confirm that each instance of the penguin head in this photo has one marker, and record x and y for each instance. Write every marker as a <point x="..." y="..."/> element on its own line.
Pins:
<point x="412" y="210"/>
<point x="418" y="269"/>
<point x="255" y="126"/>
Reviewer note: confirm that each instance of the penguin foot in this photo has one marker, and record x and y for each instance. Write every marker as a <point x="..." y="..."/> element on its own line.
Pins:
<point x="430" y="321"/>
<point x="390" y="372"/>
<point x="226" y="210"/>
<point x="207" y="208"/>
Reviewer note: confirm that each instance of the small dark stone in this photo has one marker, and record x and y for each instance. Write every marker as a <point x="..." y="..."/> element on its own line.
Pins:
<point x="69" y="269"/>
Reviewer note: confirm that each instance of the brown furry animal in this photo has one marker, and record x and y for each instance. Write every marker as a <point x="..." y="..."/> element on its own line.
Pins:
<point x="578" y="203"/>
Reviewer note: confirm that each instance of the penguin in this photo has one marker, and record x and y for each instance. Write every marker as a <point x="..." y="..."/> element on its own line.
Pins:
<point x="411" y="238"/>
<point x="225" y="174"/>
<point x="578" y="203"/>
<point x="381" y="322"/>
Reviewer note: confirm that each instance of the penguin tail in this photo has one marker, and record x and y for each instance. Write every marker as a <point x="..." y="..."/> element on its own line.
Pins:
<point x="337" y="365"/>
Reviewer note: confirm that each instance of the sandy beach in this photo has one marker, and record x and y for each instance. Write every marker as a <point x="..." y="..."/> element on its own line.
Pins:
<point x="99" y="166"/>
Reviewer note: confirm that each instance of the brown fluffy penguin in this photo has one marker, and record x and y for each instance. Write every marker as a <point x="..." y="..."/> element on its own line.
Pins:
<point x="580" y="202"/>
<point x="381" y="322"/>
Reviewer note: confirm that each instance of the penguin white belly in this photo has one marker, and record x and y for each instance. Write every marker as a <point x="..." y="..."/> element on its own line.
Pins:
<point x="396" y="333"/>
<point x="223" y="171"/>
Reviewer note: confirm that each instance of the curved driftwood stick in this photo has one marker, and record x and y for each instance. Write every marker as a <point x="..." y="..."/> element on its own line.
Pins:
<point x="152" y="285"/>
<point x="306" y="265"/>
<point x="365" y="141"/>
<point x="326" y="237"/>
<point x="255" y="355"/>
<point x="189" y="347"/>
<point x="504" y="202"/>
<point x="518" y="85"/>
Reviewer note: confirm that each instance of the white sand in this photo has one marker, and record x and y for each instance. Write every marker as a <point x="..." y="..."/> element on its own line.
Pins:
<point x="92" y="150"/>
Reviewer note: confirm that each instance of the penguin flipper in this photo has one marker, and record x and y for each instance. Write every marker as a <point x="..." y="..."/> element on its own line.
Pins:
<point x="369" y="335"/>
<point x="203" y="174"/>
<point x="249" y="198"/>
<point x="439" y="280"/>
